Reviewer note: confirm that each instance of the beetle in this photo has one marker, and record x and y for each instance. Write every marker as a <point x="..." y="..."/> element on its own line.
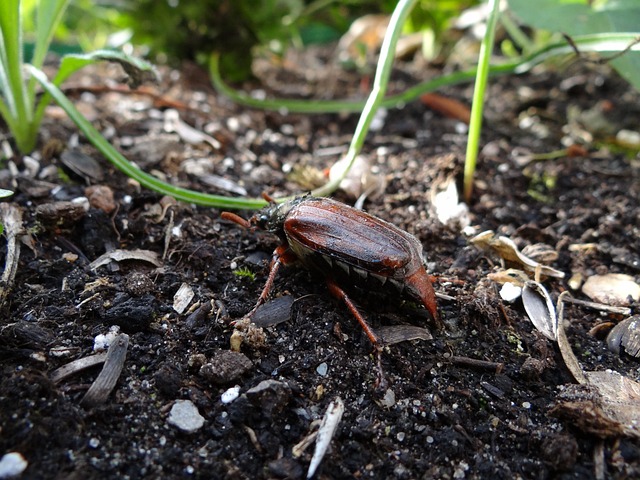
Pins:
<point x="348" y="247"/>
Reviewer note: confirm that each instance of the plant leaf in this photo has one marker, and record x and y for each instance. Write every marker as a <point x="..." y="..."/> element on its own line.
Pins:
<point x="120" y="162"/>
<point x="601" y="17"/>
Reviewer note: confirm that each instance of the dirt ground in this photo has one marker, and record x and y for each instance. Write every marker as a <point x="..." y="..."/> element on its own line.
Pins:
<point x="479" y="400"/>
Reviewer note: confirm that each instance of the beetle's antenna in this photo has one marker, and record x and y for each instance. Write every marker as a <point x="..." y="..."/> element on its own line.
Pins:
<point x="236" y="219"/>
<point x="268" y="198"/>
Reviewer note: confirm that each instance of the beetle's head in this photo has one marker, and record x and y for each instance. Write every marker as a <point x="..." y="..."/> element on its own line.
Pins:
<point x="272" y="217"/>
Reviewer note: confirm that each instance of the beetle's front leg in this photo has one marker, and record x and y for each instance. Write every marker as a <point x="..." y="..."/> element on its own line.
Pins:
<point x="339" y="293"/>
<point x="282" y="255"/>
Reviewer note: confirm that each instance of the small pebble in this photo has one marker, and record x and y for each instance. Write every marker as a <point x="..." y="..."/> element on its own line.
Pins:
<point x="225" y="367"/>
<point x="102" y="342"/>
<point x="185" y="416"/>
<point x="101" y="197"/>
<point x="270" y="395"/>
<point x="230" y="395"/>
<point x="12" y="464"/>
<point x="322" y="369"/>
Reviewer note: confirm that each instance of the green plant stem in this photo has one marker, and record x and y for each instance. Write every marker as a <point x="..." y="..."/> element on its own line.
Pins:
<point x="586" y="43"/>
<point x="475" y="125"/>
<point x="15" y="108"/>
<point x="117" y="159"/>
<point x="380" y="83"/>
<point x="515" y="32"/>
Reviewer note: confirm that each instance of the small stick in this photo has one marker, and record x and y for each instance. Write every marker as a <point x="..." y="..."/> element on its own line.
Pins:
<point x="496" y="367"/>
<point x="598" y="306"/>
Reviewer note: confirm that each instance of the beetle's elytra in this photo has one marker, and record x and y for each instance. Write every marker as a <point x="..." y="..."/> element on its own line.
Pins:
<point x="347" y="246"/>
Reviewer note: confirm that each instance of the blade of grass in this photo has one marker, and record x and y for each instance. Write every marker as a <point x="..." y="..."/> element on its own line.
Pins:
<point x="70" y="64"/>
<point x="587" y="43"/>
<point x="48" y="16"/>
<point x="12" y="86"/>
<point x="380" y="83"/>
<point x="119" y="161"/>
<point x="475" y="126"/>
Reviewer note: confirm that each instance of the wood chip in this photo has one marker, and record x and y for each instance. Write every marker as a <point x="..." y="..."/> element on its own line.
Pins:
<point x="106" y="381"/>
<point x="71" y="368"/>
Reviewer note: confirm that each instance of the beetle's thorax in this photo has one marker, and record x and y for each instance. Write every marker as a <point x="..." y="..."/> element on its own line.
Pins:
<point x="272" y="217"/>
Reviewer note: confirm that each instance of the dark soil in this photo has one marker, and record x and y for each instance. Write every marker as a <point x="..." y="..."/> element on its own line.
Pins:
<point x="442" y="417"/>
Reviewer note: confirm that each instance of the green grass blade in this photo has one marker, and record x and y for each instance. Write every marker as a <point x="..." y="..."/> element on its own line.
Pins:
<point x="18" y="112"/>
<point x="380" y="83"/>
<point x="475" y="125"/>
<point x="586" y="43"/>
<point x="136" y="68"/>
<point x="48" y="16"/>
<point x="119" y="161"/>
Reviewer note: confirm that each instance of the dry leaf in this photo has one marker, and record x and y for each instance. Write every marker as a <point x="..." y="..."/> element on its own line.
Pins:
<point x="121" y="255"/>
<point x="325" y="433"/>
<point x="188" y="134"/>
<point x="448" y="107"/>
<point x="509" y="252"/>
<point x="182" y="298"/>
<point x="391" y="335"/>
<point x="448" y="207"/>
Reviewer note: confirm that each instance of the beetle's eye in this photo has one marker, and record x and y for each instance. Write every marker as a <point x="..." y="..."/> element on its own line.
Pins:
<point x="263" y="220"/>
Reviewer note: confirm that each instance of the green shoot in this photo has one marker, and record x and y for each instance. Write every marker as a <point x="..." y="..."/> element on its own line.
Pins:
<point x="475" y="125"/>
<point x="244" y="272"/>
<point x="119" y="161"/>
<point x="18" y="105"/>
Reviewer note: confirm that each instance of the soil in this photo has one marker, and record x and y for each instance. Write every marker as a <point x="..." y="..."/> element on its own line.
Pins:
<point x="478" y="400"/>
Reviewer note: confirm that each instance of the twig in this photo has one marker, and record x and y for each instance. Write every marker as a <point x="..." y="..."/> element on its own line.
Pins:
<point x="496" y="367"/>
<point x="598" y="306"/>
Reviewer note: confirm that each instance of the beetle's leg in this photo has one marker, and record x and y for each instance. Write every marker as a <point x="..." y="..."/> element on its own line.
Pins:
<point x="340" y="294"/>
<point x="281" y="256"/>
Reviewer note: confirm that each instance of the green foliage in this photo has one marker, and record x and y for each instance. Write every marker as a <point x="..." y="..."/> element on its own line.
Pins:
<point x="244" y="272"/>
<point x="181" y="30"/>
<point x="584" y="17"/>
<point x="191" y="30"/>
<point x="18" y="105"/>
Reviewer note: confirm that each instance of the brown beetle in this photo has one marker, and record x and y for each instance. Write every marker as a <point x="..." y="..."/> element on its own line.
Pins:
<point x="347" y="246"/>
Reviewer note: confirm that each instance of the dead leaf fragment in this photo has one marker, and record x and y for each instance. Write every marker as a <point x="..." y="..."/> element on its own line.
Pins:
<point x="108" y="377"/>
<point x="607" y="406"/>
<point x="612" y="289"/>
<point x="362" y="178"/>
<point x="121" y="255"/>
<point x="188" y="134"/>
<point x="509" y="252"/>
<point x="449" y="209"/>
<point x="183" y="297"/>
<point x="449" y="107"/>
<point x="393" y="334"/>
<point x="327" y="429"/>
